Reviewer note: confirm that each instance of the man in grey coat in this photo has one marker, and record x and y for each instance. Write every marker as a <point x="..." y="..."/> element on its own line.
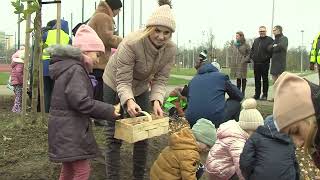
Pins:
<point x="279" y="53"/>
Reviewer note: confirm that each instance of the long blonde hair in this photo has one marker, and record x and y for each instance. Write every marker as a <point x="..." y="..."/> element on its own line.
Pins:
<point x="146" y="32"/>
<point x="308" y="145"/>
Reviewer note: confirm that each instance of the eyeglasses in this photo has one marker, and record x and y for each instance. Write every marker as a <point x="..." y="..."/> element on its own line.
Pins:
<point x="262" y="31"/>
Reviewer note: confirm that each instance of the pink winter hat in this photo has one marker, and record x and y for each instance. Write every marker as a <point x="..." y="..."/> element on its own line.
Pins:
<point x="86" y="39"/>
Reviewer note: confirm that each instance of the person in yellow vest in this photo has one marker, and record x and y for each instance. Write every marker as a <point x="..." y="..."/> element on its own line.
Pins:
<point x="49" y="38"/>
<point x="315" y="54"/>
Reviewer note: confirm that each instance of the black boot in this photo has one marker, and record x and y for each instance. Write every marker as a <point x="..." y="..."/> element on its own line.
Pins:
<point x="244" y="84"/>
<point x="264" y="97"/>
<point x="239" y="84"/>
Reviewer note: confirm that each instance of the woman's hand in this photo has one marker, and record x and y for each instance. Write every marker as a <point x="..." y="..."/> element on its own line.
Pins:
<point x="157" y="108"/>
<point x="133" y="108"/>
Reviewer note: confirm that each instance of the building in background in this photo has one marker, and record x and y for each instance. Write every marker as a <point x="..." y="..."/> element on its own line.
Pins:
<point x="2" y="40"/>
<point x="9" y="40"/>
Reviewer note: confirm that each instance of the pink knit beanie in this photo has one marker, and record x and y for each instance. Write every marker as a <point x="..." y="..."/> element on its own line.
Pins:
<point x="87" y="40"/>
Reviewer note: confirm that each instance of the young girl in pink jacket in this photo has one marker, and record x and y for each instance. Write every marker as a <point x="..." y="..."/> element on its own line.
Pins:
<point x="17" y="78"/>
<point x="223" y="159"/>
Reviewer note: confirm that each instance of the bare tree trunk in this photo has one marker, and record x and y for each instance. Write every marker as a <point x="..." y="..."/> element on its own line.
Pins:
<point x="26" y="66"/>
<point x="58" y="21"/>
<point x="36" y="60"/>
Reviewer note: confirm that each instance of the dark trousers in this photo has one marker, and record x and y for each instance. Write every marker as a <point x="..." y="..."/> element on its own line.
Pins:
<point x="140" y="148"/>
<point x="235" y="177"/>
<point x="231" y="110"/>
<point x="261" y="70"/>
<point x="241" y="85"/>
<point x="98" y="90"/>
<point x="48" y="88"/>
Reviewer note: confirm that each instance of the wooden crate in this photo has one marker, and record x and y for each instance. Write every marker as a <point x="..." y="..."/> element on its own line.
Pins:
<point x="136" y="129"/>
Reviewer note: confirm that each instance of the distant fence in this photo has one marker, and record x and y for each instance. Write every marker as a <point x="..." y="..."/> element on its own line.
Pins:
<point x="3" y="60"/>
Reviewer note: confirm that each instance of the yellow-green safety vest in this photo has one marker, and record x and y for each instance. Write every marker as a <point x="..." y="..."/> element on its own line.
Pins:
<point x="52" y="40"/>
<point x="315" y="51"/>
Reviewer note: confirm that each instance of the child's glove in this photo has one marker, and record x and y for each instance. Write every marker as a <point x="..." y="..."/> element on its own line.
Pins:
<point x="116" y="112"/>
<point x="200" y="171"/>
<point x="93" y="80"/>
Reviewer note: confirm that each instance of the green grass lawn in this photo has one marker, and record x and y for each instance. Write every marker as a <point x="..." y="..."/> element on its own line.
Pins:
<point x="177" y="81"/>
<point x="4" y="76"/>
<point x="183" y="71"/>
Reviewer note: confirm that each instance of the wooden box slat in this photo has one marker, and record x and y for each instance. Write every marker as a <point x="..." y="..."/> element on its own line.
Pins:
<point x="136" y="129"/>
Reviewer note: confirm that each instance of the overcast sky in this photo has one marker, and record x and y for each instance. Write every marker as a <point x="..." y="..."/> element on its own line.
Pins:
<point x="224" y="17"/>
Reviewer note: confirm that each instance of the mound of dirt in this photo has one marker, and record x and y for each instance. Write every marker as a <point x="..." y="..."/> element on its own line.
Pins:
<point x="23" y="150"/>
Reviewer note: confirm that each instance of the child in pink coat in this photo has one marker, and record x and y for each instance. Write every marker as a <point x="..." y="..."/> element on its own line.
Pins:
<point x="223" y="159"/>
<point x="17" y="78"/>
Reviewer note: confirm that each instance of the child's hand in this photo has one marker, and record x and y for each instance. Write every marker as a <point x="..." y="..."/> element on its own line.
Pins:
<point x="116" y="112"/>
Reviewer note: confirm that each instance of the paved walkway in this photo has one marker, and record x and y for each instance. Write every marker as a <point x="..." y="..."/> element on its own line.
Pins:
<point x="4" y="91"/>
<point x="249" y="91"/>
<point x="250" y="88"/>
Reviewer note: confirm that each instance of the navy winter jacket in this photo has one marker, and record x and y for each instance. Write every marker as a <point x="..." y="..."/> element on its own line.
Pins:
<point x="206" y="97"/>
<point x="269" y="154"/>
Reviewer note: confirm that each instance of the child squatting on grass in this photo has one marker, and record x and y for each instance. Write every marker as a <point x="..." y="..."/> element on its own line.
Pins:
<point x="70" y="137"/>
<point x="223" y="159"/>
<point x="296" y="111"/>
<point x="181" y="158"/>
<point x="269" y="154"/>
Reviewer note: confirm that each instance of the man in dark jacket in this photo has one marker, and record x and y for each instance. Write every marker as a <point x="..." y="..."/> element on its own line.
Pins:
<point x="206" y="97"/>
<point x="279" y="53"/>
<point x="260" y="54"/>
<point x="269" y="154"/>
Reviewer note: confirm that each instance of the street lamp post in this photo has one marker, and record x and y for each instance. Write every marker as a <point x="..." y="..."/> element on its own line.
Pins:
<point x="140" y="23"/>
<point x="19" y="28"/>
<point x="132" y="15"/>
<point x="7" y="49"/>
<point x="301" y="52"/>
<point x="82" y="13"/>
<point x="190" y="60"/>
<point x="272" y="16"/>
